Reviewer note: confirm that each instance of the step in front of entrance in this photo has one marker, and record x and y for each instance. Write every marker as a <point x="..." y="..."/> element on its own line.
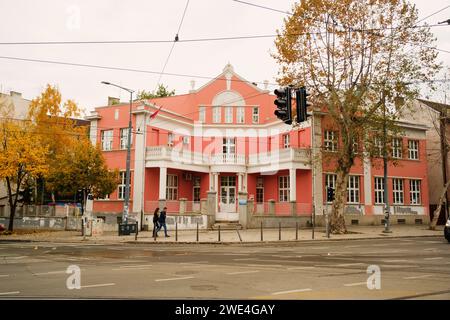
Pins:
<point x="227" y="225"/>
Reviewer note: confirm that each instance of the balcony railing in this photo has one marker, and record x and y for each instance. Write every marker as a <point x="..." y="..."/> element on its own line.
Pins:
<point x="187" y="156"/>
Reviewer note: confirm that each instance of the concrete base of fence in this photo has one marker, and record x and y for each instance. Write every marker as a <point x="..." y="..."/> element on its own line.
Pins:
<point x="45" y="223"/>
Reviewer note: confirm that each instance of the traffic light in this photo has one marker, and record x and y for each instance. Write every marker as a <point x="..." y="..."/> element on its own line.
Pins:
<point x="302" y="104"/>
<point x="330" y="194"/>
<point x="283" y="103"/>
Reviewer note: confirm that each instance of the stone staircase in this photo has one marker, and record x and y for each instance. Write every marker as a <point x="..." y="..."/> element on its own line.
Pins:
<point x="227" y="225"/>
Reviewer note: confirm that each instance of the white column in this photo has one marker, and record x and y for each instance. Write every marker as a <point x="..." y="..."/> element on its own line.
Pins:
<point x="367" y="180"/>
<point x="162" y="183"/>
<point x="244" y="182"/>
<point x="292" y="185"/>
<point x="139" y="164"/>
<point x="239" y="186"/>
<point x="216" y="188"/>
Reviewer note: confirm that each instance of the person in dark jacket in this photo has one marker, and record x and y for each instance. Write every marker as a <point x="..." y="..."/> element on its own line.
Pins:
<point x="162" y="222"/>
<point x="155" y="222"/>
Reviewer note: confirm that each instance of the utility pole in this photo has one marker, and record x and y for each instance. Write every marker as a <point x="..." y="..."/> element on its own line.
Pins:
<point x="385" y="184"/>
<point x="443" y="129"/>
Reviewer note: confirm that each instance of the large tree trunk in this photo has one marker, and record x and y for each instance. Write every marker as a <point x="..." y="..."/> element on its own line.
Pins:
<point x="337" y="221"/>
<point x="437" y="212"/>
<point x="12" y="205"/>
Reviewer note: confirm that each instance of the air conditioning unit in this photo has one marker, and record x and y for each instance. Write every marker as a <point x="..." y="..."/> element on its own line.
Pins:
<point x="185" y="140"/>
<point x="188" y="176"/>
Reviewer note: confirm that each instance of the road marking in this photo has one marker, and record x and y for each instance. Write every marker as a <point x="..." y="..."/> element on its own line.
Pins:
<point x="381" y="245"/>
<point x="435" y="258"/>
<point x="281" y="256"/>
<point x="291" y="291"/>
<point x="6" y="293"/>
<point x="400" y="266"/>
<point x="277" y="260"/>
<point x="242" y="272"/>
<point x="98" y="285"/>
<point x="349" y="264"/>
<point x="354" y="284"/>
<point x="300" y="268"/>
<point x="419" y="277"/>
<point x="243" y="259"/>
<point x="171" y="279"/>
<point x="12" y="257"/>
<point x="194" y="262"/>
<point x="355" y="246"/>
<point x="4" y="275"/>
<point x="397" y="260"/>
<point x="136" y="266"/>
<point x="319" y="247"/>
<point x="50" y="272"/>
<point x="264" y="265"/>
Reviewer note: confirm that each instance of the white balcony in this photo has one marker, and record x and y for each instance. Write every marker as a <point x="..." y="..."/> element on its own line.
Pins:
<point x="228" y="158"/>
<point x="302" y="155"/>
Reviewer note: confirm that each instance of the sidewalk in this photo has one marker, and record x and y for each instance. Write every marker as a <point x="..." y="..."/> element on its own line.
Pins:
<point x="230" y="236"/>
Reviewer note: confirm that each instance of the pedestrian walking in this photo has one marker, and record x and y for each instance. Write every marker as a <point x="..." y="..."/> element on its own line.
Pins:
<point x="155" y="222"/>
<point x="162" y="222"/>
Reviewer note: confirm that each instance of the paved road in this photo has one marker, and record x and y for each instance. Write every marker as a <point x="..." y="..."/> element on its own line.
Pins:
<point x="413" y="268"/>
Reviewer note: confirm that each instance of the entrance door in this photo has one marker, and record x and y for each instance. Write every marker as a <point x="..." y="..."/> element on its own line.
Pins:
<point x="227" y="194"/>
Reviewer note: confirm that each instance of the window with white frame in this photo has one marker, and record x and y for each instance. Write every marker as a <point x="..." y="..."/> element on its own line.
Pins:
<point x="122" y="184"/>
<point x="397" y="148"/>
<point x="172" y="187"/>
<point x="124" y="138"/>
<point x="378" y="146"/>
<point x="414" y="191"/>
<point x="260" y="190"/>
<point x="413" y="149"/>
<point x="228" y="114"/>
<point x="330" y="140"/>
<point x="286" y="141"/>
<point x="330" y="182"/>
<point x="216" y="114"/>
<point x="255" y="115"/>
<point x="229" y="146"/>
<point x="240" y="117"/>
<point x="353" y="189"/>
<point x="379" y="190"/>
<point x="107" y="139"/>
<point x="397" y="189"/>
<point x="283" y="187"/>
<point x="170" y="139"/>
<point x="202" y="114"/>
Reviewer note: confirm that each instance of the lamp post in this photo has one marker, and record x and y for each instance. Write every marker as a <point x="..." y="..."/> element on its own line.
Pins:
<point x="385" y="184"/>
<point x="127" y="178"/>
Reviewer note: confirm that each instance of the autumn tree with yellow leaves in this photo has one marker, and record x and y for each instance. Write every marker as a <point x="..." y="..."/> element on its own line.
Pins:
<point x="22" y="156"/>
<point x="360" y="59"/>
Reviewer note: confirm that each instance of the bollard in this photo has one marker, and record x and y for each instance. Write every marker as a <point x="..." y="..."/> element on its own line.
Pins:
<point x="296" y="231"/>
<point x="135" y="236"/>
<point x="219" y="233"/>
<point x="279" y="230"/>
<point x="176" y="230"/>
<point x="197" y="231"/>
<point x="262" y="231"/>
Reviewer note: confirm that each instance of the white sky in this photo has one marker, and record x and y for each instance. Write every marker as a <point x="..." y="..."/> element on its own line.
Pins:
<point x="55" y="20"/>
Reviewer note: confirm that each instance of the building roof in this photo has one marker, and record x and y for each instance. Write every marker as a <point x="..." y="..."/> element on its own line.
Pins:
<point x="440" y="107"/>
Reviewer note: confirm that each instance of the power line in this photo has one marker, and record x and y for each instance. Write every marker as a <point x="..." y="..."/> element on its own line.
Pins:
<point x="434" y="13"/>
<point x="262" y="7"/>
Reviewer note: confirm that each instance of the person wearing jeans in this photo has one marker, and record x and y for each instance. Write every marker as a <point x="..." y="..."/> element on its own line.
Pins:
<point x="162" y="222"/>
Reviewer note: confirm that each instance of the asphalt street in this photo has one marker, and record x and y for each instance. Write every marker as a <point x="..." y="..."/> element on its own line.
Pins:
<point x="410" y="268"/>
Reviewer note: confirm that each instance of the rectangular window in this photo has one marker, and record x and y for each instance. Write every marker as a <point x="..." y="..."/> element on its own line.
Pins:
<point x="107" y="139"/>
<point x="260" y="190"/>
<point x="124" y="138"/>
<point x="228" y="114"/>
<point x="122" y="184"/>
<point x="216" y="114"/>
<point x="172" y="187"/>
<point x="397" y="188"/>
<point x="255" y="115"/>
<point x="413" y="149"/>
<point x="240" y="115"/>
<point x="229" y="146"/>
<point x="170" y="139"/>
<point x="283" y="187"/>
<point x="397" y="148"/>
<point x="379" y="190"/>
<point x="330" y="140"/>
<point x="286" y="141"/>
<point x="202" y="114"/>
<point x="330" y="182"/>
<point x="353" y="189"/>
<point x="196" y="189"/>
<point x="414" y="191"/>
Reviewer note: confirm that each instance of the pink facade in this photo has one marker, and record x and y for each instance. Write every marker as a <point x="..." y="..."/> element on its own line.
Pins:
<point x="223" y="139"/>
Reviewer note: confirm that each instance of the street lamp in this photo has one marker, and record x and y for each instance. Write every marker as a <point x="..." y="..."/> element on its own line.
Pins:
<point x="127" y="179"/>
<point x="385" y="185"/>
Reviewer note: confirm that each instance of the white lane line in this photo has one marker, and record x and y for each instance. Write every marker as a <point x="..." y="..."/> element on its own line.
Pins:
<point x="397" y="260"/>
<point x="136" y="266"/>
<point x="242" y="272"/>
<point x="355" y="246"/>
<point x="435" y="258"/>
<point x="418" y="277"/>
<point x="300" y="268"/>
<point x="13" y="257"/>
<point x="7" y="293"/>
<point x="264" y="265"/>
<point x="349" y="264"/>
<point x="172" y="279"/>
<point x="354" y="284"/>
<point x="291" y="291"/>
<point x="4" y="275"/>
<point x="98" y="285"/>
<point x="50" y="272"/>
<point x="277" y="260"/>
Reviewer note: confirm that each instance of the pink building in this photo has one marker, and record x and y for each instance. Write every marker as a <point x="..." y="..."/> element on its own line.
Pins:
<point x="218" y="153"/>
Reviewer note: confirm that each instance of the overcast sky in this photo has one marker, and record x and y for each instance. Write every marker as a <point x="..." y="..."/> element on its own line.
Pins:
<point x="85" y="20"/>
